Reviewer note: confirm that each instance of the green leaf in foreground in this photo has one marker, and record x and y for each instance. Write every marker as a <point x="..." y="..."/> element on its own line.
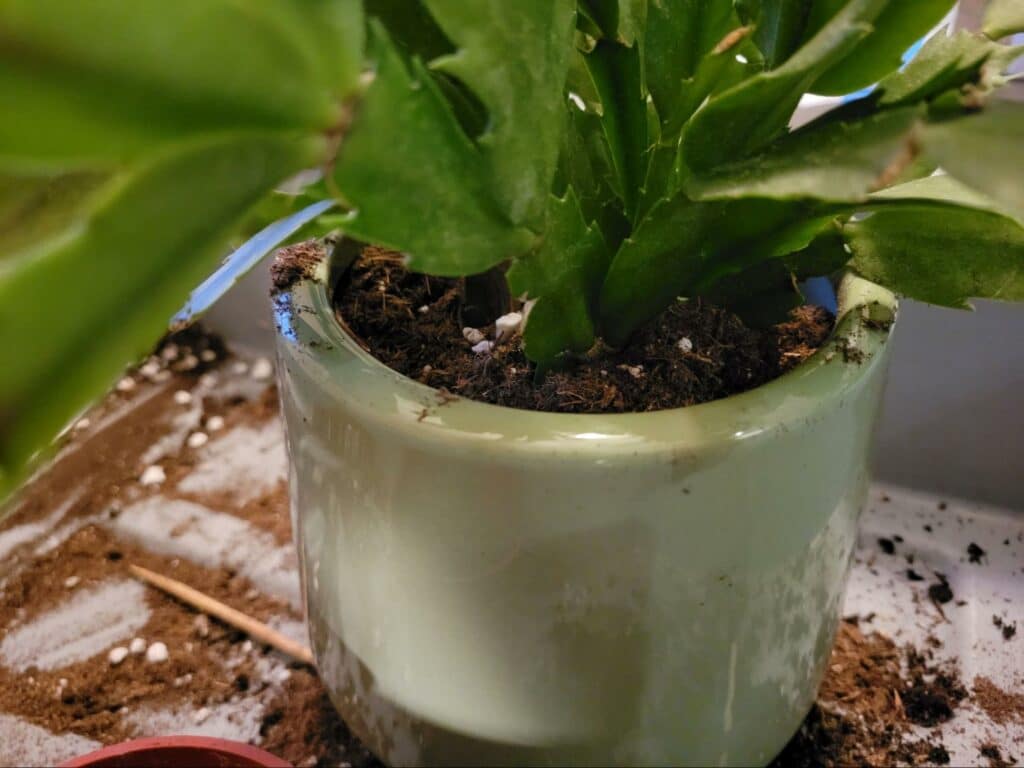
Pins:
<point x="679" y="34"/>
<point x="683" y="247"/>
<point x="416" y="182"/>
<point x="36" y="208"/>
<point x="944" y="62"/>
<point x="941" y="255"/>
<point x="78" y="310"/>
<point x="514" y="56"/>
<point x="837" y="160"/>
<point x="1002" y="18"/>
<point x="744" y="118"/>
<point x="899" y="26"/>
<point x="564" y="275"/>
<point x="985" y="150"/>
<point x="616" y="72"/>
<point x="102" y="82"/>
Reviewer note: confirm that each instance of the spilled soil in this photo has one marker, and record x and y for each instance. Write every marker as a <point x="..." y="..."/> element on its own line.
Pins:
<point x="873" y="695"/>
<point x="879" y="704"/>
<point x="692" y="353"/>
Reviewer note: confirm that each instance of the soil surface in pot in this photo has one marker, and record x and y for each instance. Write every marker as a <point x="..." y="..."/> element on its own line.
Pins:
<point x="692" y="353"/>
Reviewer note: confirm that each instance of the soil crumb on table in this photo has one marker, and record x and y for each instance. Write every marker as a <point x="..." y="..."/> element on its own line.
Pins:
<point x="692" y="353"/>
<point x="874" y="695"/>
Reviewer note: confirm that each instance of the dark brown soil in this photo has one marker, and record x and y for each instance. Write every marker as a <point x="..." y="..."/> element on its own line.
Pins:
<point x="995" y="756"/>
<point x="296" y="262"/>
<point x="413" y="323"/>
<point x="873" y="694"/>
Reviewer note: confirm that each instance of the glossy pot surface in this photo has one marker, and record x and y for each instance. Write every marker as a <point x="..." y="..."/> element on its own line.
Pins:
<point x="494" y="586"/>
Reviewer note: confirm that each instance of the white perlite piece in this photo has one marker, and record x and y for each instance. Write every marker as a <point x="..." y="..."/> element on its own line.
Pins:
<point x="685" y="345"/>
<point x="240" y="367"/>
<point x="156" y="653"/>
<point x="126" y="384"/>
<point x="484" y="347"/>
<point x="82" y="424"/>
<point x="262" y="369"/>
<point x="423" y="310"/>
<point x="137" y="646"/>
<point x="636" y="371"/>
<point x="183" y="397"/>
<point x="197" y="440"/>
<point x="215" y="423"/>
<point x="153" y="475"/>
<point x="87" y="623"/>
<point x="117" y="655"/>
<point x="150" y="369"/>
<point x="200" y="715"/>
<point x="506" y="325"/>
<point x="207" y="355"/>
<point x="473" y="335"/>
<point x="71" y="582"/>
<point x="181" y="424"/>
<point x="23" y="743"/>
<point x="250" y="461"/>
<point x="212" y="539"/>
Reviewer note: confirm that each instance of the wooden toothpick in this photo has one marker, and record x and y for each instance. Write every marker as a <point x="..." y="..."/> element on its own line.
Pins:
<point x="255" y="629"/>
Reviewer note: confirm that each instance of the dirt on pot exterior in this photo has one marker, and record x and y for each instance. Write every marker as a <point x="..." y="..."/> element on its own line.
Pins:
<point x="692" y="353"/>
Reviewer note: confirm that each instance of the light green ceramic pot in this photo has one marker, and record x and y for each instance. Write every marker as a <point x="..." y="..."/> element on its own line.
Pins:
<point x="496" y="586"/>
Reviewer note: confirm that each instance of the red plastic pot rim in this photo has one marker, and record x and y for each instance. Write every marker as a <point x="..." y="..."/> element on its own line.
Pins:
<point x="178" y="752"/>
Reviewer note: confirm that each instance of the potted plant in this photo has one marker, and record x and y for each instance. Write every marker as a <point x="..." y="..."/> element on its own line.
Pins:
<point x="497" y="585"/>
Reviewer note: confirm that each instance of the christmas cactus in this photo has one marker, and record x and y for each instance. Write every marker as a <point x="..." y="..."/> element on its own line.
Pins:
<point x="608" y="155"/>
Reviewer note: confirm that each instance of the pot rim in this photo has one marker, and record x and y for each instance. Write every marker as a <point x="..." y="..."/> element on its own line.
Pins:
<point x="156" y="744"/>
<point x="310" y="339"/>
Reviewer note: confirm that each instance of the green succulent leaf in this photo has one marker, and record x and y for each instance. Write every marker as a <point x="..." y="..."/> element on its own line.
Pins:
<point x="585" y="165"/>
<point x="34" y="209"/>
<point x="616" y="72"/>
<point x="684" y="247"/>
<point x="944" y="62"/>
<point x="78" y="309"/>
<point x="679" y="36"/>
<point x="663" y="255"/>
<point x="515" y="58"/>
<point x="833" y="160"/>
<point x="932" y="192"/>
<point x="1002" y="18"/>
<point x="741" y="120"/>
<point x="760" y="295"/>
<point x="564" y="274"/>
<point x="985" y="150"/>
<point x="823" y="255"/>
<point x="780" y="26"/>
<point x="416" y="182"/>
<point x="941" y="256"/>
<point x="898" y="27"/>
<point x="411" y="27"/>
<point x="621" y="20"/>
<point x="99" y="83"/>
